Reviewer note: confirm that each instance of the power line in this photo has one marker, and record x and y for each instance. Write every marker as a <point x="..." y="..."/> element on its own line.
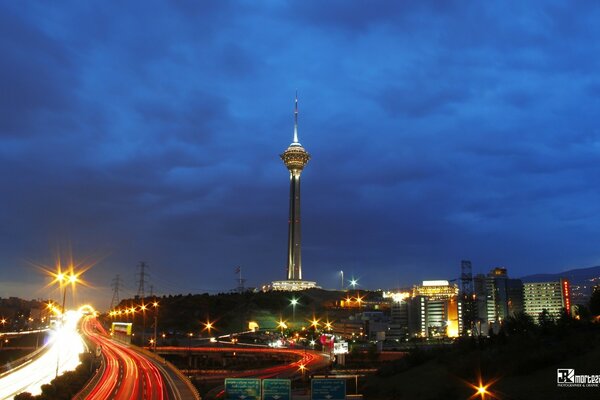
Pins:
<point x="142" y="279"/>
<point x="116" y="285"/>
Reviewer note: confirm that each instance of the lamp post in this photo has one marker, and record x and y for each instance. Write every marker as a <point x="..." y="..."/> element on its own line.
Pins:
<point x="294" y="302"/>
<point x="143" y="309"/>
<point x="155" y="305"/>
<point x="208" y="326"/>
<point x="63" y="281"/>
<point x="282" y="325"/>
<point x="190" y="348"/>
<point x="303" y="370"/>
<point x="342" y="280"/>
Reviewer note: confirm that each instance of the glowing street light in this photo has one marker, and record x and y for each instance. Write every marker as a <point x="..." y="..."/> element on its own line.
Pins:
<point x="208" y="326"/>
<point x="482" y="390"/>
<point x="353" y="283"/>
<point x="359" y="301"/>
<point x="282" y="325"/>
<point x="294" y="302"/>
<point x="143" y="309"/>
<point x="314" y="323"/>
<point x="63" y="281"/>
<point x="302" y="369"/>
<point x="155" y="305"/>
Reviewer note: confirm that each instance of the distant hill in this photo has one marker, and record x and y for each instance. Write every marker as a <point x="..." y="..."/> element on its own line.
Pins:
<point x="579" y="276"/>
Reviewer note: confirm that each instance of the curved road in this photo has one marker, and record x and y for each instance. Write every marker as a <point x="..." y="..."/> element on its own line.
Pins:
<point x="310" y="359"/>
<point x="128" y="374"/>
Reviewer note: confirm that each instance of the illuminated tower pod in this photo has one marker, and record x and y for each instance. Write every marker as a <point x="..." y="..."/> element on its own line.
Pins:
<point x="295" y="158"/>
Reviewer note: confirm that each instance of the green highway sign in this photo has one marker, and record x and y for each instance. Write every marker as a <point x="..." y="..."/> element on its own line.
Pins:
<point x="328" y="389"/>
<point x="242" y="389"/>
<point x="276" y="389"/>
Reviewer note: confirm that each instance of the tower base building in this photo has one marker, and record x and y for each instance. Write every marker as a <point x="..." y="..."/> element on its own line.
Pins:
<point x="292" y="285"/>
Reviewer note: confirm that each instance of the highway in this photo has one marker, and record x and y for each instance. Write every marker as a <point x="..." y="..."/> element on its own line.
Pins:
<point x="310" y="361"/>
<point x="127" y="374"/>
<point x="62" y="350"/>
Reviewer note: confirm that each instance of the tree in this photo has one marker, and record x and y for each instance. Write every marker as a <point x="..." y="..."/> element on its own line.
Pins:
<point x="24" y="396"/>
<point x="519" y="324"/>
<point x="546" y="320"/>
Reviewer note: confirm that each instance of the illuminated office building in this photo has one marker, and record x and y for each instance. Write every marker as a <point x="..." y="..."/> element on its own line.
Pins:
<point x="552" y="296"/>
<point x="434" y="310"/>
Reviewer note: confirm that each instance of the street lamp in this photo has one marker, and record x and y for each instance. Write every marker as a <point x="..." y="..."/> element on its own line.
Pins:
<point x="155" y="305"/>
<point x="208" y="326"/>
<point x="353" y="283"/>
<point x="63" y="281"/>
<point x="302" y="368"/>
<point x="342" y="280"/>
<point x="143" y="310"/>
<point x="314" y="323"/>
<point x="294" y="302"/>
<point x="482" y="389"/>
<point x="282" y="325"/>
<point x="359" y="301"/>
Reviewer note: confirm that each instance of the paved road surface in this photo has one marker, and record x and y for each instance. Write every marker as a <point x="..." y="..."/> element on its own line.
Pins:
<point x="130" y="375"/>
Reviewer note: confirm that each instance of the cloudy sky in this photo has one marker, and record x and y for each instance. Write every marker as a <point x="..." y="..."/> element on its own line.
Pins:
<point x="439" y="131"/>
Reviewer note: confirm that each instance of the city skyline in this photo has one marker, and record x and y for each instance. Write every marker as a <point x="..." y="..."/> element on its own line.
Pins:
<point x="440" y="133"/>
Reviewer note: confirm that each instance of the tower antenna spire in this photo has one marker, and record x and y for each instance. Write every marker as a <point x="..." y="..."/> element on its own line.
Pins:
<point x="296" y="119"/>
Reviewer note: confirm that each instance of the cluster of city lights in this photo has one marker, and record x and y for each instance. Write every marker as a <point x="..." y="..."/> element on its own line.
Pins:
<point x="133" y="309"/>
<point x="314" y="323"/>
<point x="357" y="300"/>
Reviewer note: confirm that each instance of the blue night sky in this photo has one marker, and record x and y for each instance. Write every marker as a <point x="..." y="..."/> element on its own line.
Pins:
<point x="439" y="131"/>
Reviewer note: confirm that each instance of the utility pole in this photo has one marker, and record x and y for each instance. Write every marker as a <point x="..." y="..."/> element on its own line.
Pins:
<point x="142" y="279"/>
<point x="240" y="281"/>
<point x="116" y="285"/>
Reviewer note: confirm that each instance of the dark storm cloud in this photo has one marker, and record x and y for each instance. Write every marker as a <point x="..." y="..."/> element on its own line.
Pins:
<point x="438" y="132"/>
<point x="36" y="76"/>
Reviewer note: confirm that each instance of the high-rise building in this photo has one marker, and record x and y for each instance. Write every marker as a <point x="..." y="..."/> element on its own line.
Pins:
<point x="295" y="158"/>
<point x="398" y="324"/>
<point x="434" y="310"/>
<point x="552" y="296"/>
<point x="468" y="299"/>
<point x="504" y="296"/>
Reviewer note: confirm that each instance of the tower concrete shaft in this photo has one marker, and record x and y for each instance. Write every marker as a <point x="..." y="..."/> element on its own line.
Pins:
<point x="295" y="159"/>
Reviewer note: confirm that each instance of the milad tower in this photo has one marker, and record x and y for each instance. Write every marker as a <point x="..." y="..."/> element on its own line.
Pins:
<point x="295" y="159"/>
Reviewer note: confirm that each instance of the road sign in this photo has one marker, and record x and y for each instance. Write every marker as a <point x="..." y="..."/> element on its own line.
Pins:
<point x="328" y="389"/>
<point x="340" y="348"/>
<point x="242" y="389"/>
<point x="276" y="389"/>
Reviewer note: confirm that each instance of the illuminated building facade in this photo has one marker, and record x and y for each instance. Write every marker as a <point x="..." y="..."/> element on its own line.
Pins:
<point x="504" y="296"/>
<point x="551" y="296"/>
<point x="434" y="310"/>
<point x="295" y="158"/>
<point x="398" y="324"/>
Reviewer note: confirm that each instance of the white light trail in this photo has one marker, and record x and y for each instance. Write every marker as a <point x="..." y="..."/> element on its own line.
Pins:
<point x="64" y="347"/>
